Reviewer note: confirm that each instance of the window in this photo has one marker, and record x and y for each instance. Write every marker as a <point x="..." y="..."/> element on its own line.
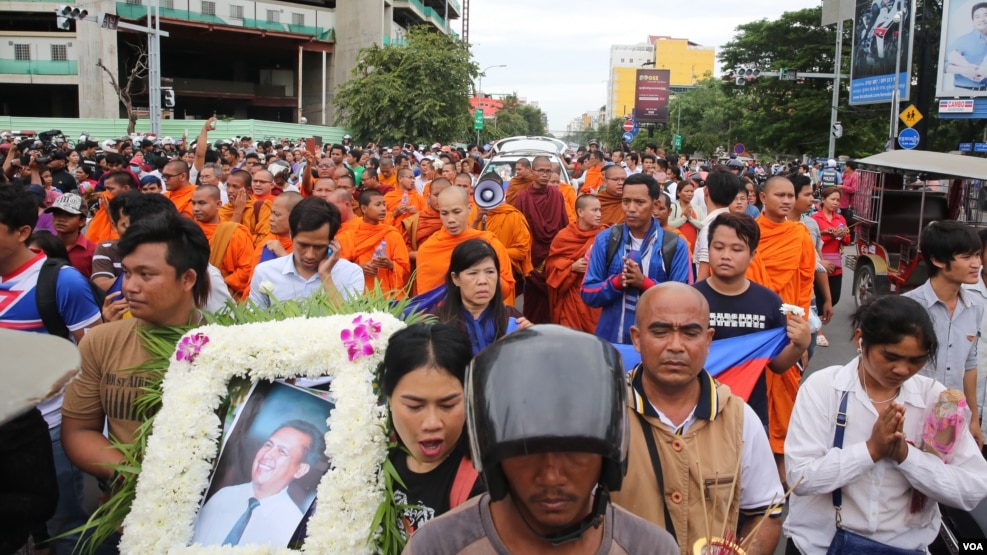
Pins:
<point x="298" y="19"/>
<point x="168" y="4"/>
<point x="22" y="51"/>
<point x="273" y="16"/>
<point x="59" y="52"/>
<point x="236" y="12"/>
<point x="134" y="2"/>
<point x="208" y="7"/>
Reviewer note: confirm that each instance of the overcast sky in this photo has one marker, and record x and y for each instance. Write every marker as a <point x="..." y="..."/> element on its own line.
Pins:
<point x="558" y="52"/>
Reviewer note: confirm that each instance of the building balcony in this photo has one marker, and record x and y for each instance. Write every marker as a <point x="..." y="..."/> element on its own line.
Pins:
<point x="416" y="12"/>
<point x="39" y="67"/>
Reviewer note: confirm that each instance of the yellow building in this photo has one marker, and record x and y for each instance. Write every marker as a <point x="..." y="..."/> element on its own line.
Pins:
<point x="622" y="97"/>
<point x="688" y="61"/>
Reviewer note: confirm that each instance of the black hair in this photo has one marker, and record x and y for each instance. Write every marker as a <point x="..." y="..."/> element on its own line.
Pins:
<point x="649" y="156"/>
<point x="723" y="186"/>
<point x="52" y="246"/>
<point x="973" y="11"/>
<point x="18" y="208"/>
<point x="122" y="177"/>
<point x="367" y="195"/>
<point x="800" y="181"/>
<point x="187" y="246"/>
<point x="114" y="159"/>
<point x="828" y="191"/>
<point x="118" y="203"/>
<point x="427" y="345"/>
<point x="523" y="162"/>
<point x="943" y="240"/>
<point x="983" y="235"/>
<point x="312" y="213"/>
<point x="746" y="228"/>
<point x="888" y="319"/>
<point x="245" y="175"/>
<point x="466" y="255"/>
<point x="654" y="188"/>
<point x="681" y="186"/>
<point x="316" y="447"/>
<point x="142" y="206"/>
<point x="852" y="164"/>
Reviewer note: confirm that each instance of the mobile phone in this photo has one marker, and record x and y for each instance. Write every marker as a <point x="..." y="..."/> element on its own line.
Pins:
<point x="310" y="145"/>
<point x="329" y="252"/>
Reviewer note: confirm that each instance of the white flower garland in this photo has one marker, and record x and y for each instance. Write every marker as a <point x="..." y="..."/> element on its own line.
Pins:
<point x="184" y="443"/>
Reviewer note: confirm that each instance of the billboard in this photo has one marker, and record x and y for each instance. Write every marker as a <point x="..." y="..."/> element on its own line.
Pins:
<point x="651" y="95"/>
<point x="962" y="59"/>
<point x="878" y="41"/>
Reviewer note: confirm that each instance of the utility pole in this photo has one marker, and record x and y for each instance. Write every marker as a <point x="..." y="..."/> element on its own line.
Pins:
<point x="154" y="66"/>
<point x="834" y="108"/>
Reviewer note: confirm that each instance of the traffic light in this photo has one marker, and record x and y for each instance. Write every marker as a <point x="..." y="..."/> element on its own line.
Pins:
<point x="743" y="75"/>
<point x="783" y="74"/>
<point x="66" y="13"/>
<point x="169" y="98"/>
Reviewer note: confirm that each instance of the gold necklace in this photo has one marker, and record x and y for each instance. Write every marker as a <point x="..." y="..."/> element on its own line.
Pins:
<point x="863" y="380"/>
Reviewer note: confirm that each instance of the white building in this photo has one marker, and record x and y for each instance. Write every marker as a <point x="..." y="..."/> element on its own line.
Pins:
<point x="624" y="56"/>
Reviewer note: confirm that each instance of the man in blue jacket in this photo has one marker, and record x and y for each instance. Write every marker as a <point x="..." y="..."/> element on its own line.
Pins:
<point x="629" y="258"/>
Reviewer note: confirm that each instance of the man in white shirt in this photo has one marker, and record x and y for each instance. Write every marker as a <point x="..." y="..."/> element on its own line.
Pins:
<point x="261" y="511"/>
<point x="313" y="263"/>
<point x="721" y="188"/>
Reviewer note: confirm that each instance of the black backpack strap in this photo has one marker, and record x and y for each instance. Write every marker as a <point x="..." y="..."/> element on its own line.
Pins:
<point x="46" y="298"/>
<point x="841" y="423"/>
<point x="649" y="439"/>
<point x="613" y="242"/>
<point x="669" y="244"/>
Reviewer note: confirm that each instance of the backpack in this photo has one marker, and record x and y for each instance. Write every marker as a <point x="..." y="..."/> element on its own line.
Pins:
<point x="47" y="300"/>
<point x="670" y="242"/>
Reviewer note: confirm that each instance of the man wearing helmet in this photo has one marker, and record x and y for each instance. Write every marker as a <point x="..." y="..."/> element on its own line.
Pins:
<point x="830" y="177"/>
<point x="550" y="440"/>
<point x="689" y="433"/>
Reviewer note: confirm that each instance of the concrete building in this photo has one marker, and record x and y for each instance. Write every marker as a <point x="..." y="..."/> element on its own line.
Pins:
<point x="261" y="59"/>
<point x="687" y="61"/>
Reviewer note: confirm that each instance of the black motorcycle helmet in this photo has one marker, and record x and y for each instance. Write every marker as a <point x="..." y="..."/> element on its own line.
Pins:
<point x="543" y="389"/>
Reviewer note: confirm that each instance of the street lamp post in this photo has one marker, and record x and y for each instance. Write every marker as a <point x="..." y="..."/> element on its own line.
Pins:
<point x="894" y="93"/>
<point x="479" y="87"/>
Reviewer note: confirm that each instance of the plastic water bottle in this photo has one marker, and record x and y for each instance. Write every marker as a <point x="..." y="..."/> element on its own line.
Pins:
<point x="404" y="198"/>
<point x="381" y="250"/>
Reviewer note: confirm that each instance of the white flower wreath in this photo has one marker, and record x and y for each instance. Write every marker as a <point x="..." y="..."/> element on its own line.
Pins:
<point x="184" y="442"/>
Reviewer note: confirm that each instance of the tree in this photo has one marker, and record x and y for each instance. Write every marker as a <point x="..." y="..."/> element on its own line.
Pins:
<point x="416" y="92"/>
<point x="133" y="86"/>
<point x="512" y="119"/>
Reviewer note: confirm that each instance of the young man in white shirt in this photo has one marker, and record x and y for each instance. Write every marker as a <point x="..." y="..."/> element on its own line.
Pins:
<point x="313" y="263"/>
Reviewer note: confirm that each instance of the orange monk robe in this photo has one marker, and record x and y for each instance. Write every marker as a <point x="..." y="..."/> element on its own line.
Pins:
<point x="593" y="181"/>
<point x="568" y="308"/>
<point x="611" y="209"/>
<point x="101" y="226"/>
<point x="515" y="187"/>
<point x="511" y="228"/>
<point x="393" y="200"/>
<point x="429" y="222"/>
<point x="351" y="223"/>
<point x="358" y="243"/>
<point x="785" y="263"/>
<point x="256" y="220"/>
<point x="182" y="198"/>
<point x="388" y="181"/>
<point x="285" y="241"/>
<point x="435" y="253"/>
<point x="569" y="194"/>
<point x="238" y="262"/>
<point x="427" y="189"/>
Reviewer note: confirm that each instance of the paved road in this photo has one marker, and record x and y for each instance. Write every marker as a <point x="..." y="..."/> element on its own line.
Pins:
<point x="839" y="331"/>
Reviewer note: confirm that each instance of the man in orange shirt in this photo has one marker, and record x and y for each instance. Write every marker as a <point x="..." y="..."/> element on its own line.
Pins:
<point x="785" y="263"/>
<point x="593" y="178"/>
<point x="522" y="179"/>
<point x="242" y="208"/>
<point x="364" y="244"/>
<point x="611" y="210"/>
<point x="278" y="241"/>
<point x="566" y="267"/>
<point x="177" y="187"/>
<point x="101" y="226"/>
<point x="436" y="252"/>
<point x="231" y="248"/>
<point x="404" y="201"/>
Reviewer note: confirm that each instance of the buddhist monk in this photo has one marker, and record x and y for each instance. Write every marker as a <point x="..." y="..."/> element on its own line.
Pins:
<point x="785" y="263"/>
<point x="342" y="198"/>
<point x="177" y="187"/>
<point x="568" y="193"/>
<point x="435" y="253"/>
<point x="594" y="173"/>
<point x="231" y="246"/>
<point x="262" y="186"/>
<point x="101" y="226"/>
<point x="244" y="209"/>
<point x="364" y="243"/>
<point x="465" y="182"/>
<point x="387" y="176"/>
<point x="278" y="241"/>
<point x="322" y="187"/>
<point x="544" y="208"/>
<point x="611" y="211"/>
<point x="405" y="200"/>
<point x="423" y="225"/>
<point x="522" y="179"/>
<point x="511" y="228"/>
<point x="566" y="265"/>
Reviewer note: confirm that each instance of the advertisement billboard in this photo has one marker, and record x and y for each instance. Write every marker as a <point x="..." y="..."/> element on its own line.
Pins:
<point x="879" y="43"/>
<point x="962" y="57"/>
<point x="651" y="95"/>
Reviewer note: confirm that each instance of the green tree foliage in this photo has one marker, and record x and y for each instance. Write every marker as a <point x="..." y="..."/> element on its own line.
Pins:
<point x="414" y="92"/>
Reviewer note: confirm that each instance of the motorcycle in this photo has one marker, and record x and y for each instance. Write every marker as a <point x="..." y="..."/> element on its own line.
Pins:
<point x="878" y="39"/>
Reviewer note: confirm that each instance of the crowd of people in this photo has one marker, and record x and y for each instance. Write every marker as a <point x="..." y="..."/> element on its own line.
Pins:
<point x="645" y="249"/>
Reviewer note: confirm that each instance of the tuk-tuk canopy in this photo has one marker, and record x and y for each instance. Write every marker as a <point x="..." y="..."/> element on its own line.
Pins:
<point x="929" y="164"/>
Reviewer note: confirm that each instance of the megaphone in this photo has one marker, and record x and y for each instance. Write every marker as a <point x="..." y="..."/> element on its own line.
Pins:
<point x="489" y="191"/>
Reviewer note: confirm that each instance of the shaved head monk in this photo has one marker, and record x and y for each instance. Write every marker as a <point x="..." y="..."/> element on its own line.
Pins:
<point x="404" y="201"/>
<point x="523" y="177"/>
<point x="566" y="267"/>
<point x="231" y="248"/>
<point x="611" y="211"/>
<point x="376" y="247"/>
<point x="436" y="252"/>
<point x="177" y="187"/>
<point x="278" y="241"/>
<point x="785" y="263"/>
<point x="417" y="228"/>
<point x="322" y="187"/>
<point x="242" y="208"/>
<point x="342" y="198"/>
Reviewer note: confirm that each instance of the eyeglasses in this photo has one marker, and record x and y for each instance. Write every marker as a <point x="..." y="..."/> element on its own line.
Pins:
<point x="167" y="176"/>
<point x="616" y="179"/>
<point x="262" y="181"/>
<point x="542" y="171"/>
<point x="325" y="165"/>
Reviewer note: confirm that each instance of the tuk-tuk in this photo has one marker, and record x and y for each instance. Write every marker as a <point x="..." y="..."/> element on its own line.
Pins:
<point x="898" y="194"/>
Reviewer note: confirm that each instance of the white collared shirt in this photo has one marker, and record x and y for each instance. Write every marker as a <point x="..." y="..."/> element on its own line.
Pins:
<point x="876" y="495"/>
<point x="272" y="522"/>
<point x="288" y="284"/>
<point x="979" y="290"/>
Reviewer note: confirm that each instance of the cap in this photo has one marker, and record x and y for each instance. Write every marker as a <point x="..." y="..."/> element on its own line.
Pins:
<point x="594" y="142"/>
<point x="831" y="163"/>
<point x="148" y="179"/>
<point x="71" y="203"/>
<point x="168" y="141"/>
<point x="136" y="161"/>
<point x="38" y="192"/>
<point x="109" y="145"/>
<point x="436" y="145"/>
<point x="145" y="142"/>
<point x="347" y="137"/>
